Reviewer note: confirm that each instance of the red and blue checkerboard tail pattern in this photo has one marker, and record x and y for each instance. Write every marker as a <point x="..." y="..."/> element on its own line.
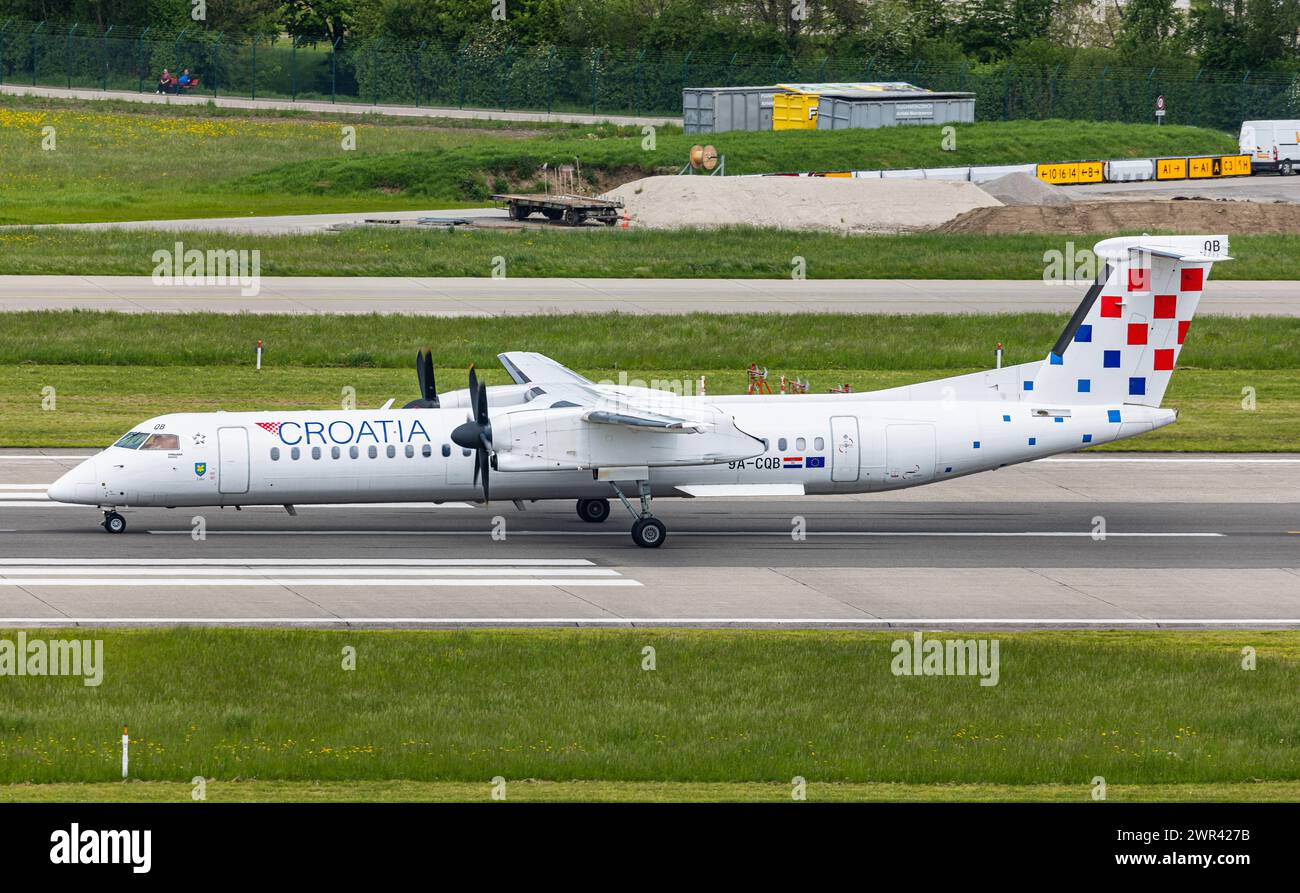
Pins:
<point x="1122" y="343"/>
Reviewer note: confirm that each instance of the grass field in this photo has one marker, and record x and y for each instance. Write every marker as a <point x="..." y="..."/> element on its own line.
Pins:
<point x="749" y="710"/>
<point x="606" y="341"/>
<point x="136" y="163"/>
<point x="735" y="253"/>
<point x="97" y="404"/>
<point x="109" y="375"/>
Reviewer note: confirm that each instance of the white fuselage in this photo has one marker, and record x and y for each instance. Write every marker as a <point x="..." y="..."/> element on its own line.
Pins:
<point x="810" y="444"/>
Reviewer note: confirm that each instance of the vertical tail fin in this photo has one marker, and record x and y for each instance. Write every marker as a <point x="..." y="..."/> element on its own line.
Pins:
<point x="1123" y="340"/>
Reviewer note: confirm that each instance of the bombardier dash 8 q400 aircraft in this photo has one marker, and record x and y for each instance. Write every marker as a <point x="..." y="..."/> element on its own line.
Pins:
<point x="556" y="435"/>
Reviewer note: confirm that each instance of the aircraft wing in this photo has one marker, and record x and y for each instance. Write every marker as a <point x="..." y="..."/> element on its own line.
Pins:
<point x="598" y="408"/>
<point x="569" y="422"/>
<point x="527" y="367"/>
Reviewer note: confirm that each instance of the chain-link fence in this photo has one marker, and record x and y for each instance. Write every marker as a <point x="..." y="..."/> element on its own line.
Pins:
<point x="602" y="81"/>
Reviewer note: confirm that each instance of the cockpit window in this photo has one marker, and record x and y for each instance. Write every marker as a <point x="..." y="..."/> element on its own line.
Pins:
<point x="162" y="442"/>
<point x="133" y="440"/>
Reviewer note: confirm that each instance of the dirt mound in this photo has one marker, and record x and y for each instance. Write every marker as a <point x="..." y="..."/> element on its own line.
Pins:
<point x="797" y="203"/>
<point x="1081" y="218"/>
<point x="1020" y="188"/>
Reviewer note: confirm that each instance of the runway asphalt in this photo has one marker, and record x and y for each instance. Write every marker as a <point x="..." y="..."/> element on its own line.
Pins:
<point x="284" y="224"/>
<point x="1206" y="540"/>
<point x="508" y="297"/>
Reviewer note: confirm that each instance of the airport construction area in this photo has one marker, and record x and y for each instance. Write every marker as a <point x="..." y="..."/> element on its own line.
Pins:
<point x="524" y="656"/>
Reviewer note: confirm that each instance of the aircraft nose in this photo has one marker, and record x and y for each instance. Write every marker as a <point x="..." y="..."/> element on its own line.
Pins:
<point x="77" y="485"/>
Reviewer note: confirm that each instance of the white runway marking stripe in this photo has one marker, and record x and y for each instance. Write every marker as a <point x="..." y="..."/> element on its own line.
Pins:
<point x="289" y="562"/>
<point x="680" y="533"/>
<point x="289" y="573"/>
<point x="38" y="498"/>
<point x="8" y="574"/>
<point x="301" y="582"/>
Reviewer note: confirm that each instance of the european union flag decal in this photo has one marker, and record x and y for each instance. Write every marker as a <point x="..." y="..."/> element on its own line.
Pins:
<point x="200" y="469"/>
<point x="815" y="462"/>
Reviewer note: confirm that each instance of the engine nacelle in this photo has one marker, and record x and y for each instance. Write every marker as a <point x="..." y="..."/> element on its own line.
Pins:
<point x="498" y="395"/>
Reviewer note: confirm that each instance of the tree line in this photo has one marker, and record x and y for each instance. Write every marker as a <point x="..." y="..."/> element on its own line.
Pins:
<point x="1259" y="36"/>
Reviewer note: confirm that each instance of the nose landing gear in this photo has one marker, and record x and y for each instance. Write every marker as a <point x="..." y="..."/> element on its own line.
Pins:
<point x="648" y="532"/>
<point x="114" y="523"/>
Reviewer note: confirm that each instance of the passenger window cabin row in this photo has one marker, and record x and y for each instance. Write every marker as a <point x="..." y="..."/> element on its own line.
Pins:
<point x="354" y="452"/>
<point x="800" y="444"/>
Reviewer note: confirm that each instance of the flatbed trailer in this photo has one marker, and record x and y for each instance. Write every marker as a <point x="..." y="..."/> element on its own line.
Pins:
<point x="571" y="210"/>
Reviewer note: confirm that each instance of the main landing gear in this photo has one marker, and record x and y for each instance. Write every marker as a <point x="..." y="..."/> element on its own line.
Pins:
<point x="593" y="511"/>
<point x="648" y="532"/>
<point x="114" y="523"/>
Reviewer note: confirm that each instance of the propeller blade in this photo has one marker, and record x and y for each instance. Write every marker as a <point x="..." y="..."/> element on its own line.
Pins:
<point x="476" y="433"/>
<point x="428" y="398"/>
<point x="428" y="384"/>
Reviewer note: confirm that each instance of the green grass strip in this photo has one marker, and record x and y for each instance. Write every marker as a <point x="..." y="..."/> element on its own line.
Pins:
<point x="1157" y="708"/>
<point x="609" y="341"/>
<point x="730" y="253"/>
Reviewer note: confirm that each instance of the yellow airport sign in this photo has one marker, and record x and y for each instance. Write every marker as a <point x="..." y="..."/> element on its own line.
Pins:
<point x="1171" y="168"/>
<point x="1236" y="166"/>
<point x="1218" y="166"/>
<point x="1071" y="172"/>
<point x="1200" y="168"/>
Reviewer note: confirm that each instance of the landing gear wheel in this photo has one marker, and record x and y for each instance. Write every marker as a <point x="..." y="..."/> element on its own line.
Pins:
<point x="593" y="511"/>
<point x="649" y="533"/>
<point x="114" y="523"/>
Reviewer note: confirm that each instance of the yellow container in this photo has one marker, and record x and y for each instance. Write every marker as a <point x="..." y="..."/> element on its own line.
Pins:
<point x="794" y="111"/>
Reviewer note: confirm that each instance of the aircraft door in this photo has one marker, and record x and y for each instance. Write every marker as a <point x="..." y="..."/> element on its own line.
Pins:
<point x="844" y="448"/>
<point x="909" y="453"/>
<point x="232" y="460"/>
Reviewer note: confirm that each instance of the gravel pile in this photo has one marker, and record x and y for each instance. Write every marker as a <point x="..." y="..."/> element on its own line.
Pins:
<point x="798" y="203"/>
<point x="1019" y="188"/>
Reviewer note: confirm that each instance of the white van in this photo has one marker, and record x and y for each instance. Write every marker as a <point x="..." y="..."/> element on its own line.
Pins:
<point x="1271" y="145"/>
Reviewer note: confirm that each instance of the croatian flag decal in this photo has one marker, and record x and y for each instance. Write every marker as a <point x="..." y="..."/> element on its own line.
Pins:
<point x="794" y="461"/>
